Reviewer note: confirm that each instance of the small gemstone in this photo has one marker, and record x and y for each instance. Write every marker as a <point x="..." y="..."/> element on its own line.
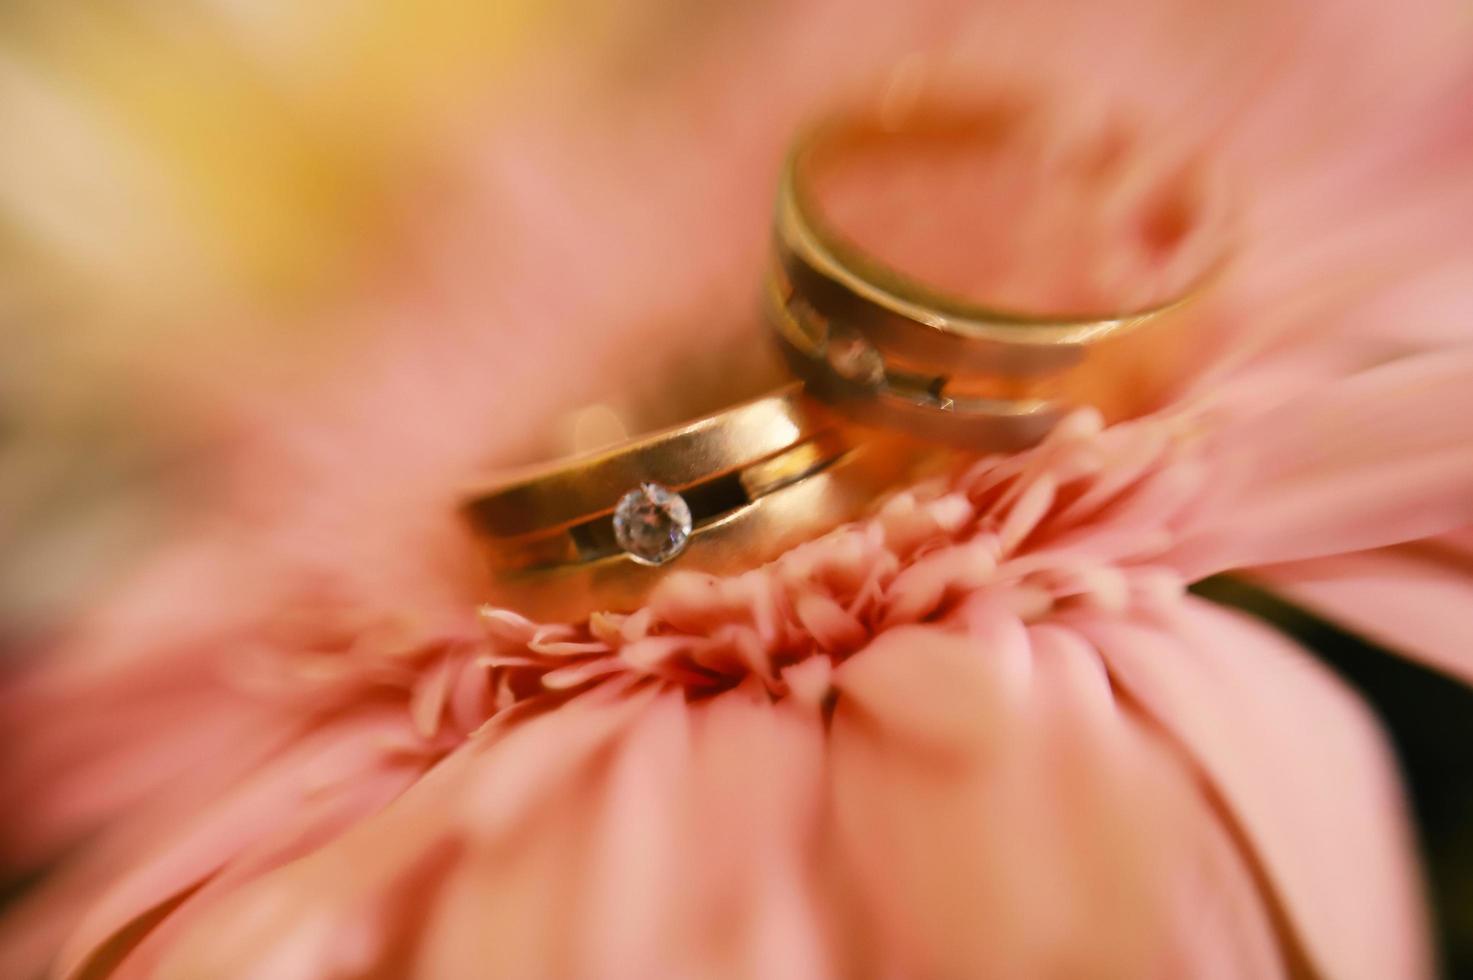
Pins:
<point x="815" y="324"/>
<point x="652" y="523"/>
<point x="855" y="359"/>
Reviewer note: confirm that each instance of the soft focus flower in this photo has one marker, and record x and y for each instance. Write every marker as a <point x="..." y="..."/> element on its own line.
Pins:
<point x="985" y="732"/>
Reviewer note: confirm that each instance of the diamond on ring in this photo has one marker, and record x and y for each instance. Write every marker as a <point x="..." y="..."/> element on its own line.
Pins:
<point x="652" y="523"/>
<point x="855" y="359"/>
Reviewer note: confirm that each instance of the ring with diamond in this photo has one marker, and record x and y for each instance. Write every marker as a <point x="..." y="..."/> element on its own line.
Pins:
<point x="721" y="494"/>
<point x="890" y="350"/>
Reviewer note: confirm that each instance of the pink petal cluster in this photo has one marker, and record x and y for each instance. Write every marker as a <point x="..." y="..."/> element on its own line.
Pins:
<point x="983" y="732"/>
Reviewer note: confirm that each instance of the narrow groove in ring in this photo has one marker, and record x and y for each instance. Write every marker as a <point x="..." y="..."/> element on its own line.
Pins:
<point x="547" y="499"/>
<point x="593" y="540"/>
<point x="916" y="391"/>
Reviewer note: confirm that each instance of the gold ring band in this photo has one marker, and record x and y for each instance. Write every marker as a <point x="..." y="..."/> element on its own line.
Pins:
<point x="721" y="494"/>
<point x="889" y="351"/>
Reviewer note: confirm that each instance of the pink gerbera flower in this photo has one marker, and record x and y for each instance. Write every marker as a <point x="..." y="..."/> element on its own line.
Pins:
<point x="984" y="732"/>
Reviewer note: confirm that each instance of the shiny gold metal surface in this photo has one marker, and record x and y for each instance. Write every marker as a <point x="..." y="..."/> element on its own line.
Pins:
<point x="759" y="478"/>
<point x="889" y="351"/>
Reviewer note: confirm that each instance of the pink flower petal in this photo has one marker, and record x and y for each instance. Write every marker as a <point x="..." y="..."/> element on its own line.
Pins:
<point x="1302" y="765"/>
<point x="427" y="703"/>
<point x="701" y="858"/>
<point x="1415" y="599"/>
<point x="988" y="828"/>
<point x="343" y="756"/>
<point x="1377" y="459"/>
<point x="308" y="918"/>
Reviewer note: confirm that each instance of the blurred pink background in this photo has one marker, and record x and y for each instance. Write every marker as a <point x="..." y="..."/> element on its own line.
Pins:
<point x="279" y="278"/>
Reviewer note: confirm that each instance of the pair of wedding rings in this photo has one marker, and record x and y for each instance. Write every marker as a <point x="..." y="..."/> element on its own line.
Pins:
<point x="886" y="368"/>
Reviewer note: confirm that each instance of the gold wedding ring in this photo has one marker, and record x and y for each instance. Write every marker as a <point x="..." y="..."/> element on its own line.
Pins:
<point x="889" y="351"/>
<point x="883" y="359"/>
<point x="722" y="495"/>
